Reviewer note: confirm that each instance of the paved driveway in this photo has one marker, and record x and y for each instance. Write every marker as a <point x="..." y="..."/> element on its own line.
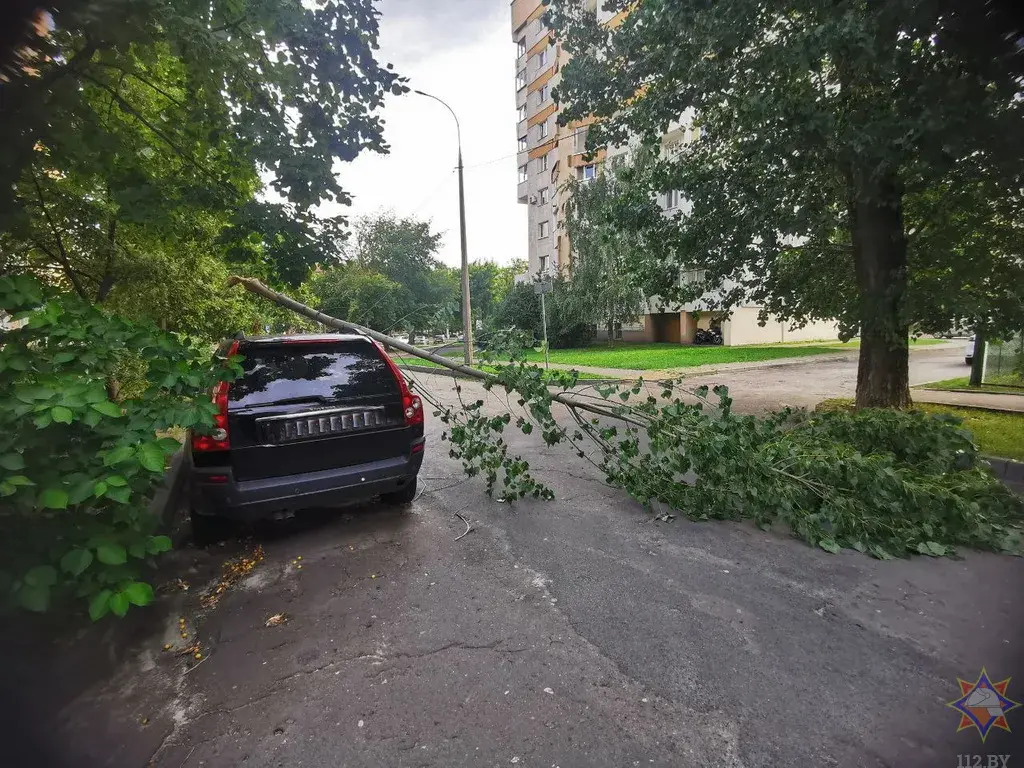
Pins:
<point x="811" y="380"/>
<point x="572" y="633"/>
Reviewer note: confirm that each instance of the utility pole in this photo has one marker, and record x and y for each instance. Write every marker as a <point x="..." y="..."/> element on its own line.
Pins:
<point x="467" y="319"/>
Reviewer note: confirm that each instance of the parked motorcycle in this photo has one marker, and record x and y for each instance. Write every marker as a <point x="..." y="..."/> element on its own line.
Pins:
<point x="708" y="337"/>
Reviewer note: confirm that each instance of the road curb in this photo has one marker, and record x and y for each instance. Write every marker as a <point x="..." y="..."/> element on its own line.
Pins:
<point x="1009" y="471"/>
<point x="167" y="501"/>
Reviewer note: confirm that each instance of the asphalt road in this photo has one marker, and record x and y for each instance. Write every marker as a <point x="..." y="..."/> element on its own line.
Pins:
<point x="811" y="380"/>
<point x="577" y="632"/>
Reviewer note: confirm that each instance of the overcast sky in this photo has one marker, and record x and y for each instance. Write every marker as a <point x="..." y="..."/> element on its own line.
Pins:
<point x="461" y="51"/>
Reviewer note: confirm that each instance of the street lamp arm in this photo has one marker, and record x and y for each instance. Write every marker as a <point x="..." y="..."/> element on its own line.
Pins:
<point x="458" y="128"/>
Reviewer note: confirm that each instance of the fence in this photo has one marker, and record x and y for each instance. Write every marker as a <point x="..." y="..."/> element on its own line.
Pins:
<point x="1004" y="362"/>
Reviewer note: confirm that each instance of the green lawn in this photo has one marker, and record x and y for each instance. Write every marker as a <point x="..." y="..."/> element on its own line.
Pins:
<point x="997" y="433"/>
<point x="1011" y="386"/>
<point x="404" y="361"/>
<point x="647" y="357"/>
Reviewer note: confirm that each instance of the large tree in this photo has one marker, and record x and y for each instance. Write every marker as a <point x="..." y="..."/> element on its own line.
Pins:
<point x="856" y="160"/>
<point x="139" y="141"/>
<point x="605" y="286"/>
<point x="404" y="250"/>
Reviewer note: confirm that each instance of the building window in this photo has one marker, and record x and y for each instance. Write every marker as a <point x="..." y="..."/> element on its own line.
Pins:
<point x="520" y="79"/>
<point x="522" y="113"/>
<point x="542" y="163"/>
<point x="522" y="174"/>
<point x="692" y="276"/>
<point x="543" y="129"/>
<point x="542" y="59"/>
<point x="523" y="143"/>
<point x="579" y="140"/>
<point x="543" y="229"/>
<point x="543" y="93"/>
<point x="671" y="199"/>
<point x="544" y="263"/>
<point x="542" y="196"/>
<point x="586" y="172"/>
<point x="520" y="47"/>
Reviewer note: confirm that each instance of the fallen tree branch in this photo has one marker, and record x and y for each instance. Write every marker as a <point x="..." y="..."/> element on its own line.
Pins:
<point x="255" y="286"/>
<point x="468" y="526"/>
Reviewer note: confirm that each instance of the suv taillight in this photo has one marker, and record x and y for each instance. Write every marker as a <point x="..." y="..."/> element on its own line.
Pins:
<point x="411" y="404"/>
<point x="219" y="439"/>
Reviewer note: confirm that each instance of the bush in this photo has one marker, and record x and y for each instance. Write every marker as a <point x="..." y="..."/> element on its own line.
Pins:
<point x="83" y="396"/>
<point x="521" y="309"/>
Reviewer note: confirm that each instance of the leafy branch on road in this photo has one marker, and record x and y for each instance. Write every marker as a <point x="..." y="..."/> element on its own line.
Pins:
<point x="883" y="482"/>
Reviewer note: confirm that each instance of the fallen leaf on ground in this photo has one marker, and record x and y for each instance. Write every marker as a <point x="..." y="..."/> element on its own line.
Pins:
<point x="277" y="619"/>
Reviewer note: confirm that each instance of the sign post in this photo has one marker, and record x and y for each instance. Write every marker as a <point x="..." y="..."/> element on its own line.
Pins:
<point x="543" y="287"/>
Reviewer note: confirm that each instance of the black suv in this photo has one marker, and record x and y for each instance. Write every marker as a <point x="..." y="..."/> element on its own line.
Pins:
<point x="313" y="420"/>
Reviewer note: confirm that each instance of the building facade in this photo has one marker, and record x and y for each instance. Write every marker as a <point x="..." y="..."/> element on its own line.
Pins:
<point x="549" y="154"/>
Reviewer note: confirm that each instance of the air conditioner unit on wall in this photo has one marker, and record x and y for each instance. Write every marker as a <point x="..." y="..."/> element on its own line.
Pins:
<point x="533" y="199"/>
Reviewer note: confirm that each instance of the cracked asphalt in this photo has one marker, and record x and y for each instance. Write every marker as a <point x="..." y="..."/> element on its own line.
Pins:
<point x="578" y="632"/>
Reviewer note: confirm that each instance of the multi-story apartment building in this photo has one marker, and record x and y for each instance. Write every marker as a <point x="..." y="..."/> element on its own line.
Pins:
<point x="550" y="154"/>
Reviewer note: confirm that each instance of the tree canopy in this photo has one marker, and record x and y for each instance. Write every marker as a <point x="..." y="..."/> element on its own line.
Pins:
<point x="147" y="150"/>
<point x="857" y="161"/>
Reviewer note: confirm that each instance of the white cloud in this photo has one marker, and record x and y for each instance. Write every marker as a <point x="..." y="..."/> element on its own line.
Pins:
<point x="467" y="59"/>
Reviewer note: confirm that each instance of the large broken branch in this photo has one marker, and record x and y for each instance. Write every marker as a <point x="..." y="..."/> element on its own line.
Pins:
<point x="255" y="286"/>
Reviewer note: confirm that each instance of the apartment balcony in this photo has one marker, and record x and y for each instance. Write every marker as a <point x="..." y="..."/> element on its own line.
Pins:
<point x="522" y="191"/>
<point x="522" y="10"/>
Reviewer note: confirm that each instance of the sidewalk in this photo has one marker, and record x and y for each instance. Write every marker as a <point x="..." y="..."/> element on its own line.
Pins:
<point x="984" y="400"/>
<point x="700" y="370"/>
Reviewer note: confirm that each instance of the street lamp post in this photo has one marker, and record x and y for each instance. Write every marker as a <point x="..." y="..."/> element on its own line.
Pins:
<point x="467" y="320"/>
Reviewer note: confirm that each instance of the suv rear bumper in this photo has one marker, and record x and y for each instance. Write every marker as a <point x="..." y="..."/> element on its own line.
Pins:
<point x="215" y="492"/>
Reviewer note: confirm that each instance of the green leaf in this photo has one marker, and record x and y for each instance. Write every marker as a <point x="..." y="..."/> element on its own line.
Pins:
<point x="137" y="549"/>
<point x="118" y="455"/>
<point x="53" y="498"/>
<point x="61" y="415"/>
<point x="116" y="481"/>
<point x="939" y="550"/>
<point x="110" y="553"/>
<point x="107" y="408"/>
<point x="76" y="561"/>
<point x="139" y="593"/>
<point x="81" y="491"/>
<point x="159" y="544"/>
<point x="64" y="357"/>
<point x="119" y="603"/>
<point x="19" y="480"/>
<point x="41" y="576"/>
<point x="151" y="456"/>
<point x="99" y="489"/>
<point x="12" y="462"/>
<point x="43" y="420"/>
<point x="830" y="545"/>
<point x="99" y="606"/>
<point x="34" y="598"/>
<point x="120" y="495"/>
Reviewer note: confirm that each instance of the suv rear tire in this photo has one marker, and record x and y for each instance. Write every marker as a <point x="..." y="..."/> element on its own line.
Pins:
<point x="207" y="529"/>
<point x="402" y="497"/>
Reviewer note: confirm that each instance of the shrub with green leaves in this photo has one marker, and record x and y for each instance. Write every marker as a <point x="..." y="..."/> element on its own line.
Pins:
<point x="79" y="460"/>
<point x="883" y="482"/>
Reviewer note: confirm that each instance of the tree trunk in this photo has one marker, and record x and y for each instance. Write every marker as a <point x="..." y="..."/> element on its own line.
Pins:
<point x="880" y="256"/>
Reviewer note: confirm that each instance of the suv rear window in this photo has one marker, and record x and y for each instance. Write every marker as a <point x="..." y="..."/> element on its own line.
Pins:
<point x="332" y="370"/>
